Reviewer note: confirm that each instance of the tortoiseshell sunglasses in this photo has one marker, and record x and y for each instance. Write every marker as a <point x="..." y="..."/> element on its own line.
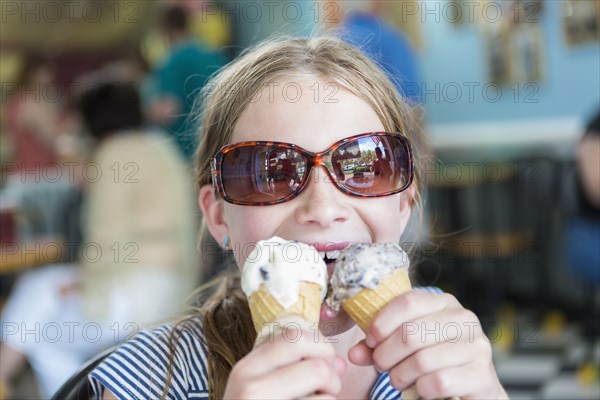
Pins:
<point x="371" y="164"/>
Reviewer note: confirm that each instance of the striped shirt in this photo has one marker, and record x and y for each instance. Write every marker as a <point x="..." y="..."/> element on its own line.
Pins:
<point x="138" y="368"/>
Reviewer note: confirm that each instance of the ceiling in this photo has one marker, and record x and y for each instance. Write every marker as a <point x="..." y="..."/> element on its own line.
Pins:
<point x="71" y="25"/>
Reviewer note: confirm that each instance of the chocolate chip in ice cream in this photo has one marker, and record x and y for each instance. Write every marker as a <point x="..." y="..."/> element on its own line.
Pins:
<point x="264" y="274"/>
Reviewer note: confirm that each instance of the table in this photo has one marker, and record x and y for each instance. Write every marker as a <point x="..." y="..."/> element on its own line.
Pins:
<point x="20" y="256"/>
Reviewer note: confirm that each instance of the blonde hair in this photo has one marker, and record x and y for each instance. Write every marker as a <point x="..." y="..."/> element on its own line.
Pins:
<point x="226" y="322"/>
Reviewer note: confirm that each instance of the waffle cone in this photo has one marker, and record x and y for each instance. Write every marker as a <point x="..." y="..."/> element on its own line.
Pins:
<point x="265" y="307"/>
<point x="364" y="306"/>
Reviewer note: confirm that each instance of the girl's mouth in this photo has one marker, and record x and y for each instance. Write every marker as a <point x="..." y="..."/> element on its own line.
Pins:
<point x="330" y="249"/>
<point x="330" y="269"/>
<point x="327" y="313"/>
<point x="329" y="252"/>
<point x="330" y="256"/>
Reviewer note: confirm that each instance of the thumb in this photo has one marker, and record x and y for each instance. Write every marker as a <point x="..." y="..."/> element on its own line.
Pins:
<point x="361" y="354"/>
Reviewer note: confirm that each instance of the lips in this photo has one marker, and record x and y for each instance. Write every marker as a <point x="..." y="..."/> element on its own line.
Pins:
<point x="329" y="246"/>
<point x="329" y="251"/>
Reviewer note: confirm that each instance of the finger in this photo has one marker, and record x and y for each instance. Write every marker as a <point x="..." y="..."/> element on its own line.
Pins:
<point x="301" y="379"/>
<point x="449" y="326"/>
<point x="361" y="354"/>
<point x="404" y="308"/>
<point x="285" y="348"/>
<point x="281" y="325"/>
<point x="463" y="382"/>
<point x="435" y="358"/>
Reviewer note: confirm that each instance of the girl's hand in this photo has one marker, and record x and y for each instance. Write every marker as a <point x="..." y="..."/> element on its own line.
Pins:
<point x="287" y="364"/>
<point x="430" y="340"/>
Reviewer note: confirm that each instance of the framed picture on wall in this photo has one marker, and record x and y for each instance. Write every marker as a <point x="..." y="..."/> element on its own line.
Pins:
<point x="581" y="20"/>
<point x="524" y="11"/>
<point x="515" y="44"/>
<point x="500" y="56"/>
<point x="527" y="47"/>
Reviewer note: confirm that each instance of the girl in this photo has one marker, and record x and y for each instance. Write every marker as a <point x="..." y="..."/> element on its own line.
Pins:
<point x="314" y="95"/>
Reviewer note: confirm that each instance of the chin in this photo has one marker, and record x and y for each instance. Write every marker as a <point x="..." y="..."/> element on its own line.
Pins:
<point x="341" y="323"/>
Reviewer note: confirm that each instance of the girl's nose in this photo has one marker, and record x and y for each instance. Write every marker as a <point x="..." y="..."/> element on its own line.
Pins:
<point x="321" y="203"/>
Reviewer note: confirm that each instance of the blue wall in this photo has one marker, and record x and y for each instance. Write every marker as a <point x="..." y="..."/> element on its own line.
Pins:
<point x="454" y="56"/>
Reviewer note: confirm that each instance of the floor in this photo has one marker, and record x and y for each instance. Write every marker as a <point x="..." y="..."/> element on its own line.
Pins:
<point x="546" y="359"/>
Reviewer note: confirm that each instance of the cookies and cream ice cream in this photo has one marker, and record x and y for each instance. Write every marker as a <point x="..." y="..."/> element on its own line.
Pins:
<point x="364" y="265"/>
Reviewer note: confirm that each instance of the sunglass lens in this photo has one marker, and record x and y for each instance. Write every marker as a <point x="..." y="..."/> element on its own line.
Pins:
<point x="372" y="165"/>
<point x="262" y="174"/>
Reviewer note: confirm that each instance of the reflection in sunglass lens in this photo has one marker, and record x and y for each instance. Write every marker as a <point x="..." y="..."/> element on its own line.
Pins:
<point x="371" y="165"/>
<point x="262" y="174"/>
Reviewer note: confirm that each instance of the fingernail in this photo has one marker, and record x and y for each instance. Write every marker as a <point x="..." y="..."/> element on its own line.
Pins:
<point x="370" y="341"/>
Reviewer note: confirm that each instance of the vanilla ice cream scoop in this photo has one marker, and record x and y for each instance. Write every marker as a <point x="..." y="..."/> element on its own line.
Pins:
<point x="364" y="265"/>
<point x="280" y="266"/>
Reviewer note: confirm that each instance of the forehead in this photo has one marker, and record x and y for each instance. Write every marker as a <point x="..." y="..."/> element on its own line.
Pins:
<point x="309" y="111"/>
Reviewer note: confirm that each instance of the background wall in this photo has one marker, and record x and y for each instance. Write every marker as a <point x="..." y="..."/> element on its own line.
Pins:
<point x="457" y="54"/>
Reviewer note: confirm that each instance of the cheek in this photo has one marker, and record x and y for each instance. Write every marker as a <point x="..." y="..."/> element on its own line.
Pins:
<point x="385" y="219"/>
<point x="246" y="226"/>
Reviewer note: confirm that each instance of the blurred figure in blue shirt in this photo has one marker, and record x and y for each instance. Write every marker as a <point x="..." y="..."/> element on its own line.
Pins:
<point x="385" y="44"/>
<point x="179" y="78"/>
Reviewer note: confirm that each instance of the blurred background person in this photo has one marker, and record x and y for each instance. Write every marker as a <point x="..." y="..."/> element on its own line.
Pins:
<point x="41" y="129"/>
<point x="33" y="121"/>
<point x="361" y="23"/>
<point x="38" y="198"/>
<point x="41" y="133"/>
<point x="139" y="212"/>
<point x="583" y="234"/>
<point x="179" y="78"/>
<point x="137" y="261"/>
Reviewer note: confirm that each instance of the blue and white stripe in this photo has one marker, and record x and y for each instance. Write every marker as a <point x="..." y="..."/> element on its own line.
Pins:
<point x="138" y="369"/>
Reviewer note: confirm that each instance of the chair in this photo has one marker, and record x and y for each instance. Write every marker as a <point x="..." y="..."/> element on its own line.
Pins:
<point x="492" y="226"/>
<point x="77" y="387"/>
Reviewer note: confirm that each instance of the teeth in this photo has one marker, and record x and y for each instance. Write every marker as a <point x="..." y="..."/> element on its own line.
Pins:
<point x="333" y="255"/>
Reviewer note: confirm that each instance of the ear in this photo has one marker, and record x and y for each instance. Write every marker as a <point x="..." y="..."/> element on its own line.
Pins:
<point x="212" y="210"/>
<point x="407" y="201"/>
